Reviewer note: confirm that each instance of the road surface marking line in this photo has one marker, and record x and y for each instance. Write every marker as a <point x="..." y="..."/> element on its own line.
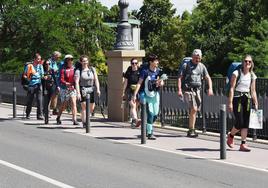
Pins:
<point x="36" y="175"/>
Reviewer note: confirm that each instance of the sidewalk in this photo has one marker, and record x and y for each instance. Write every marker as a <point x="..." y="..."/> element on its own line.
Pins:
<point x="205" y="147"/>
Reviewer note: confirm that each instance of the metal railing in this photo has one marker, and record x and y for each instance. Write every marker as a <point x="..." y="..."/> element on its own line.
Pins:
<point x="173" y="111"/>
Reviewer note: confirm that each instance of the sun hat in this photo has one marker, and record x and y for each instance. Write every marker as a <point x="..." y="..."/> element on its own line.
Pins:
<point x="197" y="52"/>
<point x="68" y="56"/>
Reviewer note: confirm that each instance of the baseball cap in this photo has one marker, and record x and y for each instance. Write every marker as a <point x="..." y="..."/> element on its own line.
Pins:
<point x="197" y="52"/>
<point x="68" y="56"/>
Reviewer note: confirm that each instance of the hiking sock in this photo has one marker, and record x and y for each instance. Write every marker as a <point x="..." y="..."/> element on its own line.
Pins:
<point x="243" y="142"/>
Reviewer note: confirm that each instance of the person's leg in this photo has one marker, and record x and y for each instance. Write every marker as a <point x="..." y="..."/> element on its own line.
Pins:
<point x="30" y="97"/>
<point x="192" y="118"/>
<point x="74" y="109"/>
<point x="244" y="129"/>
<point x="61" y="109"/>
<point x="83" y="112"/>
<point x="133" y="110"/>
<point x="39" y="102"/>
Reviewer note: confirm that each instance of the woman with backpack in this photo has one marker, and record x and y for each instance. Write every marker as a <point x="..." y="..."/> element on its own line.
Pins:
<point x="242" y="90"/>
<point x="85" y="79"/>
<point x="67" y="88"/>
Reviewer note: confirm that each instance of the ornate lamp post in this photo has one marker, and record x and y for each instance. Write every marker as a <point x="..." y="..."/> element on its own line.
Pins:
<point x="124" y="38"/>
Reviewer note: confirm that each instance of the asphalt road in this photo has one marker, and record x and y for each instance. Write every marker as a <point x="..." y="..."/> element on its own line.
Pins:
<point x="35" y="157"/>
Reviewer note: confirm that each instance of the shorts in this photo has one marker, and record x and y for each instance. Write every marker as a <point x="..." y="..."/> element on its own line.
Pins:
<point x="241" y="109"/>
<point x="91" y="99"/>
<point x="193" y="99"/>
<point x="130" y="94"/>
<point x="66" y="94"/>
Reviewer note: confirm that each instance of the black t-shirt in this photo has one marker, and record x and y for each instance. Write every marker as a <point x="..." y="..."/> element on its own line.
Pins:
<point x="132" y="76"/>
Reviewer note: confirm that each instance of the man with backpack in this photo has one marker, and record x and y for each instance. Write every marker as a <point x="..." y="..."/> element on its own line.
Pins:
<point x="190" y="77"/>
<point x="34" y="73"/>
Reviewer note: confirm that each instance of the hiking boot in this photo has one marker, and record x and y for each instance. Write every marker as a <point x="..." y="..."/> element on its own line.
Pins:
<point x="151" y="137"/>
<point x="58" y="121"/>
<point x="244" y="147"/>
<point x="75" y="122"/>
<point x="230" y="141"/>
<point x="192" y="134"/>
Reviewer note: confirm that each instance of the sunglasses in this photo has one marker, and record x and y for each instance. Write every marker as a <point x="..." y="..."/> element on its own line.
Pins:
<point x="134" y="63"/>
<point x="247" y="61"/>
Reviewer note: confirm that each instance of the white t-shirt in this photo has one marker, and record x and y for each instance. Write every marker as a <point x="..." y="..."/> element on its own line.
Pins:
<point x="243" y="84"/>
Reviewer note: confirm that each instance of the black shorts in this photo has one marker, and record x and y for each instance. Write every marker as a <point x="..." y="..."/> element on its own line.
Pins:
<point x="130" y="94"/>
<point x="241" y="109"/>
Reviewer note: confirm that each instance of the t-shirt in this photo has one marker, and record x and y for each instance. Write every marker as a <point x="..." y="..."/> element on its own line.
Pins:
<point x="192" y="74"/>
<point x="243" y="84"/>
<point x="87" y="76"/>
<point x="132" y="76"/>
<point x="66" y="75"/>
<point x="35" y="73"/>
<point x="145" y="72"/>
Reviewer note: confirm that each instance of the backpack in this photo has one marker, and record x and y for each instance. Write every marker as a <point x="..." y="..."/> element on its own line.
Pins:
<point x="189" y="80"/>
<point x="233" y="67"/>
<point x="24" y="81"/>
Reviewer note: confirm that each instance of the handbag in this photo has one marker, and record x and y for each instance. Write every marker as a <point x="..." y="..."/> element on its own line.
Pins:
<point x="256" y="119"/>
<point x="86" y="90"/>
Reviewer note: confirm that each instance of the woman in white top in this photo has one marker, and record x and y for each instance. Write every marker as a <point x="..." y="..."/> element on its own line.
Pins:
<point x="85" y="80"/>
<point x="242" y="90"/>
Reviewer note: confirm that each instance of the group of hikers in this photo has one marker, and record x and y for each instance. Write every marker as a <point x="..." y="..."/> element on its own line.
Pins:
<point x="64" y="80"/>
<point x="141" y="85"/>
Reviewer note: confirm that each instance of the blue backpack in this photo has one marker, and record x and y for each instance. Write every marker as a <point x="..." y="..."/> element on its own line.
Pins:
<point x="234" y="66"/>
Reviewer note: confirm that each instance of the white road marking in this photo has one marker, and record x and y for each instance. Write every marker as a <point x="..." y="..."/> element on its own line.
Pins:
<point x="36" y="175"/>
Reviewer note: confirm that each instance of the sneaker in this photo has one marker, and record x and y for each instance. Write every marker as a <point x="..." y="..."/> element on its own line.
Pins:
<point x="75" y="123"/>
<point x="230" y="141"/>
<point x="58" y="120"/>
<point x="151" y="137"/>
<point x="192" y="134"/>
<point x="27" y="116"/>
<point x="40" y="117"/>
<point x="133" y="123"/>
<point x="244" y="147"/>
<point x="138" y="123"/>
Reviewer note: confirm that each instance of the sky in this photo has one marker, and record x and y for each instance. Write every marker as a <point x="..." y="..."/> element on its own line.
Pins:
<point x="180" y="5"/>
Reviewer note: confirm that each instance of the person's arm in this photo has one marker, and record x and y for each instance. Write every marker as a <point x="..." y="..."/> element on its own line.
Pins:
<point x="231" y="92"/>
<point x="124" y="86"/>
<point x="254" y="94"/>
<point x="137" y="89"/>
<point x="97" y="83"/>
<point x="209" y="81"/>
<point x="77" y="85"/>
<point x="179" y="86"/>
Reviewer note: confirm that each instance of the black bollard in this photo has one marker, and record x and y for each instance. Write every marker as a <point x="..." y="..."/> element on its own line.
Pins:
<point x="223" y="131"/>
<point x="14" y="99"/>
<point x="46" y="102"/>
<point x="143" y="123"/>
<point x="87" y="113"/>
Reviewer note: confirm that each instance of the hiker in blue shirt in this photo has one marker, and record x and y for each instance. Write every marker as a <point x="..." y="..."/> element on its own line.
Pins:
<point x="148" y="88"/>
<point x="54" y="66"/>
<point x="34" y="72"/>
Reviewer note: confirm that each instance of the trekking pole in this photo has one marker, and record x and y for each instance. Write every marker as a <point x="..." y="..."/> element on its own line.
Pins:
<point x="14" y="99"/>
<point x="223" y="131"/>
<point x="143" y="121"/>
<point x="87" y="114"/>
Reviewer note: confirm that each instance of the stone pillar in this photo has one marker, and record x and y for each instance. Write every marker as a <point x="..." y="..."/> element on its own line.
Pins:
<point x="118" y="62"/>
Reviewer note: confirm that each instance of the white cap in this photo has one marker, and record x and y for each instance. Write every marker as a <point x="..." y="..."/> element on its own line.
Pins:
<point x="197" y="52"/>
<point x="68" y="56"/>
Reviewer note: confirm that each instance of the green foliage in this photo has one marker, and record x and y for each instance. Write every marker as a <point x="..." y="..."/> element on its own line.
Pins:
<point x="44" y="26"/>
